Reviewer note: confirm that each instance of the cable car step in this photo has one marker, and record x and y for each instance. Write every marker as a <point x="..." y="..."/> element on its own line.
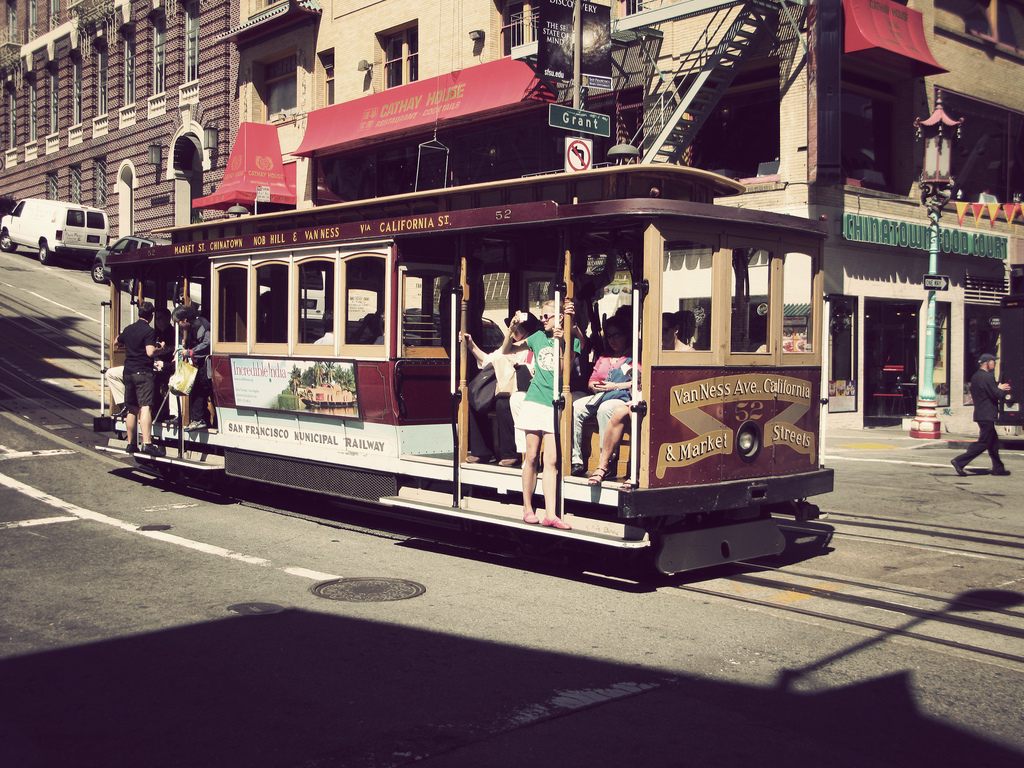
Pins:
<point x="205" y="461"/>
<point x="579" y="534"/>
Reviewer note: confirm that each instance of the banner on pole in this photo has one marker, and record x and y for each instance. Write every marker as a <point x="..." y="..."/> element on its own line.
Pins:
<point x="555" y="39"/>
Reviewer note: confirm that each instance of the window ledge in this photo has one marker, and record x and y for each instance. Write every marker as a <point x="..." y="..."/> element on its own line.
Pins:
<point x="978" y="39"/>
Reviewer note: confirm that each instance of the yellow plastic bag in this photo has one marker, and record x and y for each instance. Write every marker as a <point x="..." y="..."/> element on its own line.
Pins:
<point x="182" y="379"/>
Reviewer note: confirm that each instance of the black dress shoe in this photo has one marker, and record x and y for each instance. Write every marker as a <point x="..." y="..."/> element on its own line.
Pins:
<point x="1000" y="471"/>
<point x="958" y="468"/>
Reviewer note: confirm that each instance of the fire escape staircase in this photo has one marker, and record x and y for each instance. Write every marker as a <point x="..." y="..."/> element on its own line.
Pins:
<point x="680" y="103"/>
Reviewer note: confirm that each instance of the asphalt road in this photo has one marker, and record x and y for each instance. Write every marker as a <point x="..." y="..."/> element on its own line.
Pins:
<point x="146" y="624"/>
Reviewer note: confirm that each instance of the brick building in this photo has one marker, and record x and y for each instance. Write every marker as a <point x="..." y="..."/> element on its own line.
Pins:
<point x="120" y="104"/>
<point x="812" y="105"/>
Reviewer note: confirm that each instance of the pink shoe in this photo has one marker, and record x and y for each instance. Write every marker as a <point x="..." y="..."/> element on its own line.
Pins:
<point x="554" y="522"/>
<point x="531" y="518"/>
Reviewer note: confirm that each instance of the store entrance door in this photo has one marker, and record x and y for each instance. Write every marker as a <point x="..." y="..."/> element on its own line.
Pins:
<point x="890" y="349"/>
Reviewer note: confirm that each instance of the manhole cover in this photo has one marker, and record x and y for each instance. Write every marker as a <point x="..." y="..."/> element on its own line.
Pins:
<point x="368" y="589"/>
<point x="255" y="609"/>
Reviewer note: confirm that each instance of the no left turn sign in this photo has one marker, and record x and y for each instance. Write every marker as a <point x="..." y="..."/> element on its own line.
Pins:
<point x="579" y="154"/>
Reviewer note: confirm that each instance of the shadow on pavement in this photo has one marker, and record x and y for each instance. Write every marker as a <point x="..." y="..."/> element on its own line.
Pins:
<point x="297" y="688"/>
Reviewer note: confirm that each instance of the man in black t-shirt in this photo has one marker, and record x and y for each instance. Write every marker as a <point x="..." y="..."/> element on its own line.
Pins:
<point x="140" y="344"/>
<point x="986" y="395"/>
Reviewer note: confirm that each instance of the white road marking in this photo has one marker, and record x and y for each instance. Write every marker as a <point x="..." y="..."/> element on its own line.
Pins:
<point x="51" y="301"/>
<point x="168" y="538"/>
<point x="883" y="461"/>
<point x="40" y="521"/>
<point x="7" y="453"/>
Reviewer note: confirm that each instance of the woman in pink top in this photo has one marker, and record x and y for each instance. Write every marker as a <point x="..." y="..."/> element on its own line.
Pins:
<point x="609" y="384"/>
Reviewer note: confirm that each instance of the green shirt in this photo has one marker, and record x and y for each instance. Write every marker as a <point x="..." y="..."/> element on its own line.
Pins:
<point x="545" y="359"/>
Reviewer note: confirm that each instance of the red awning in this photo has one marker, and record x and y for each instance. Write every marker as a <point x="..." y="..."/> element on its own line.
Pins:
<point x="498" y="87"/>
<point x="255" y="162"/>
<point x="889" y="34"/>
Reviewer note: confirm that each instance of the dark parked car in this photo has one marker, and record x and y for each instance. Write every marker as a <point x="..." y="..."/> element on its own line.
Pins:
<point x="101" y="274"/>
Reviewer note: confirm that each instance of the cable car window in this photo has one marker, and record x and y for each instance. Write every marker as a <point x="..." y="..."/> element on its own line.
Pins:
<point x="272" y="304"/>
<point x="315" y="304"/>
<point x="364" y="300"/>
<point x="686" y="303"/>
<point x="232" y="308"/>
<point x="797" y="316"/>
<point x="750" y="300"/>
<point x="426" y="309"/>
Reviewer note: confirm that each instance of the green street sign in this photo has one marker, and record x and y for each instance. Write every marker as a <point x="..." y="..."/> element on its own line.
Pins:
<point x="579" y="120"/>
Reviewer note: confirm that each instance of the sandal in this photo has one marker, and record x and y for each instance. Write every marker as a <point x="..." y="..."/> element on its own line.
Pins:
<point x="597" y="476"/>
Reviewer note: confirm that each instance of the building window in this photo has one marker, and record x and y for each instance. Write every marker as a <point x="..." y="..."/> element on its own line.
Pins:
<point x="742" y="132"/>
<point x="867" y="136"/>
<point x="327" y="61"/>
<point x="54" y="99"/>
<point x="986" y="160"/>
<point x="52" y="191"/>
<point x="998" y="20"/>
<point x="159" y="55"/>
<point x="100" y="173"/>
<point x="401" y="58"/>
<point x="33" y="17"/>
<point x="192" y="42"/>
<point x="33" y="98"/>
<point x="280" y="81"/>
<point x="76" y="92"/>
<point x="101" y="82"/>
<point x="129" y="71"/>
<point x="12" y="20"/>
<point x="518" y="25"/>
<point x="76" y="184"/>
<point x="54" y="14"/>
<point x="12" y="125"/>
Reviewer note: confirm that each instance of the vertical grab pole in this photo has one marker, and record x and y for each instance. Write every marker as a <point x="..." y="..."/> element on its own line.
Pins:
<point x="453" y="335"/>
<point x="634" y="387"/>
<point x="825" y="355"/>
<point x="103" y="357"/>
<point x="460" y="400"/>
<point x="563" y="394"/>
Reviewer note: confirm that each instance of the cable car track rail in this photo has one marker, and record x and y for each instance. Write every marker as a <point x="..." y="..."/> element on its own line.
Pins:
<point x="941" y="617"/>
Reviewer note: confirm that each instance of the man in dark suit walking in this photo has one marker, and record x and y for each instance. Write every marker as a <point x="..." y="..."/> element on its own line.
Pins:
<point x="986" y="395"/>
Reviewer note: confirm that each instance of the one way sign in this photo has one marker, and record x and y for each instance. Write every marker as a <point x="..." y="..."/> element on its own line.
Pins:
<point x="936" y="282"/>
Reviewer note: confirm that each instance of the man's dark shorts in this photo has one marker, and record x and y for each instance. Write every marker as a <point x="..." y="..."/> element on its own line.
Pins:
<point x="139" y="391"/>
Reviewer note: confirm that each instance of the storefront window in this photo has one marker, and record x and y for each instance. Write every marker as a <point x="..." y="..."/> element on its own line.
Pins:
<point x="891" y="351"/>
<point x="750" y="306"/>
<point x="940" y="376"/>
<point x="842" y="359"/>
<point x="981" y="335"/>
<point x="686" y="297"/>
<point x="508" y="149"/>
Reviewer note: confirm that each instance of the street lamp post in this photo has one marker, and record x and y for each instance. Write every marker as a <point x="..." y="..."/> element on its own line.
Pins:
<point x="936" y="188"/>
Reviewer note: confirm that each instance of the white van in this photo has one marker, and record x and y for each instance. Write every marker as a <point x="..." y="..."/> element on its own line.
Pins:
<point x="52" y="228"/>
